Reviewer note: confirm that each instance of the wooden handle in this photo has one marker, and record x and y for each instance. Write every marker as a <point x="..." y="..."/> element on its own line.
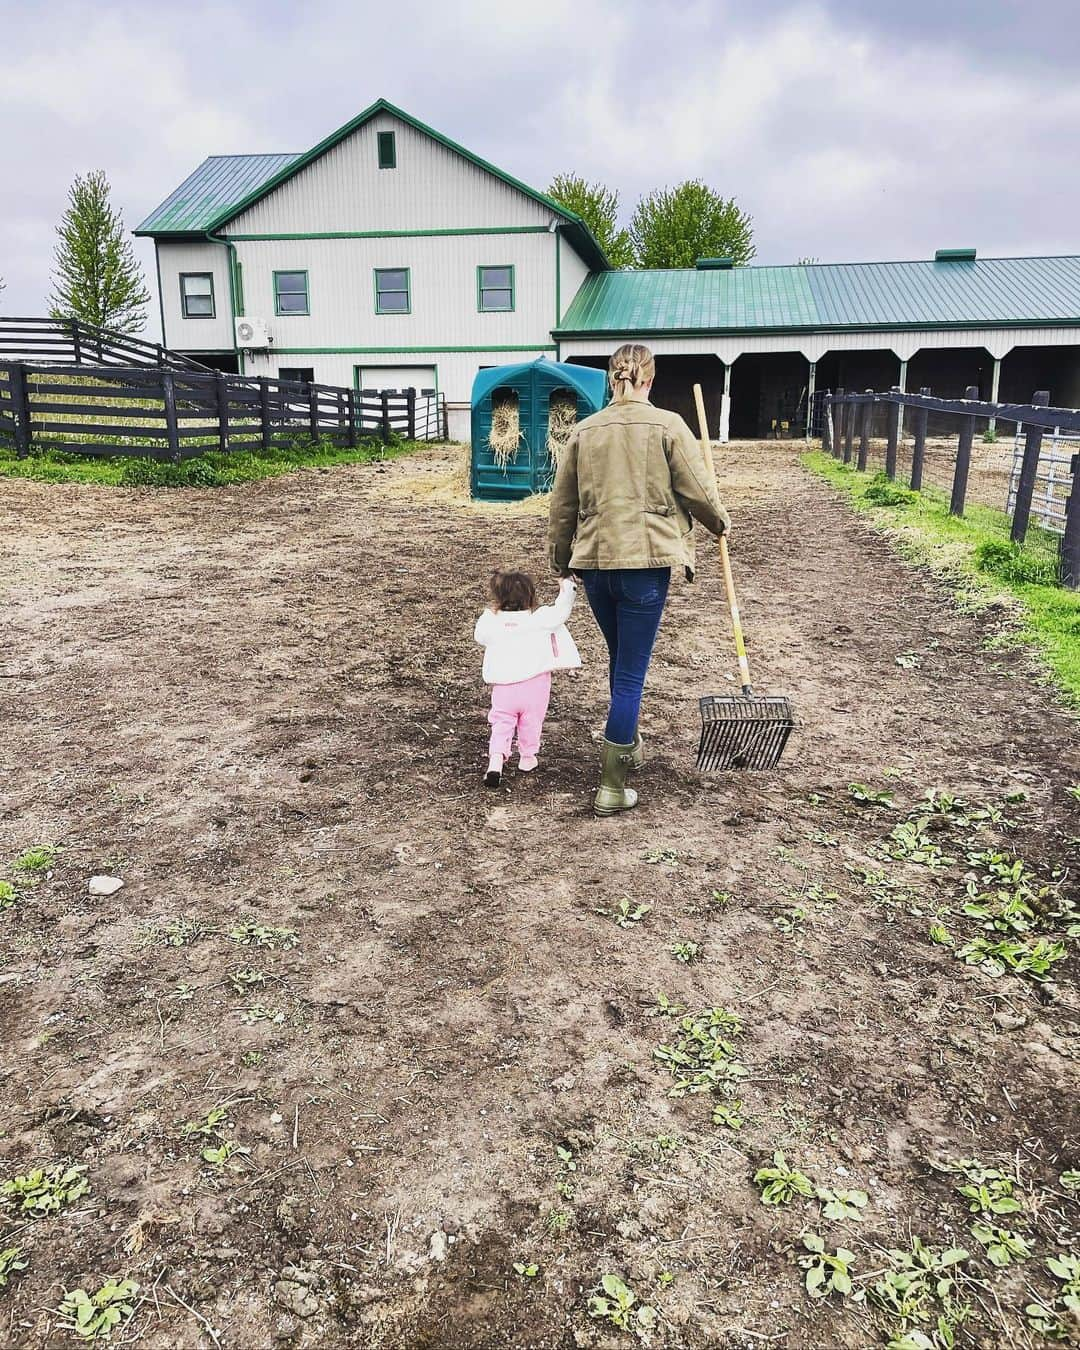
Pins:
<point x="725" y="561"/>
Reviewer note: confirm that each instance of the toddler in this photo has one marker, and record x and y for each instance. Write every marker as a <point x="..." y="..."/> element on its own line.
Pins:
<point x="523" y="644"/>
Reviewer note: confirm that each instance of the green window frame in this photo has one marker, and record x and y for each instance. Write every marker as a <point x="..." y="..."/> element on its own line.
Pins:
<point x="387" y="150"/>
<point x="495" y="288"/>
<point x="391" y="283"/>
<point x="288" y="290"/>
<point x="198" y="296"/>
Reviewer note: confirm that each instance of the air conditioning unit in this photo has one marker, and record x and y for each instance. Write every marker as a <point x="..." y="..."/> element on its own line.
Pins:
<point x="252" y="334"/>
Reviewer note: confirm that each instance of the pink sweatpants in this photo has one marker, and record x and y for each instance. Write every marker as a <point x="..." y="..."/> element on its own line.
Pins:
<point x="521" y="708"/>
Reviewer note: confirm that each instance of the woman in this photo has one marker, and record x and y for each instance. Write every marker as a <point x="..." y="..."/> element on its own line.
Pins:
<point x="630" y="484"/>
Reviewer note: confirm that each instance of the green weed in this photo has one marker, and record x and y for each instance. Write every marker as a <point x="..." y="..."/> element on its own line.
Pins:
<point x="1002" y="1245"/>
<point x="986" y="1190"/>
<point x="37" y="860"/>
<point x="527" y="1270"/>
<point x="216" y="1119"/>
<point x="686" y="952"/>
<point x="11" y="1262"/>
<point x="618" y="1305"/>
<point x="94" y="1316"/>
<point x="918" y="1287"/>
<point x="182" y="932"/>
<point x="626" y="914"/>
<point x="780" y="1184"/>
<point x="826" y="1272"/>
<point x="258" y="1012"/>
<point x="1030" y="956"/>
<point x="218" y="1155"/>
<point x="840" y="1205"/>
<point x="247" y="979"/>
<point x="249" y="933"/>
<point x="8" y="895"/>
<point x="911" y="843"/>
<point x="865" y="796"/>
<point x="703" y="1058"/>
<point x="45" y="1190"/>
<point x="668" y="856"/>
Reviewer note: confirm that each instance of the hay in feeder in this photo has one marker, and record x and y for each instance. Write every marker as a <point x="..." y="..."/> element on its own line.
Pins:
<point x="505" y="434"/>
<point x="562" y="419"/>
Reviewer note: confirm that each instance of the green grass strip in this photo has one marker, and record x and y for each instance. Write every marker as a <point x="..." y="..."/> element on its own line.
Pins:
<point x="975" y="555"/>
<point x="212" y="469"/>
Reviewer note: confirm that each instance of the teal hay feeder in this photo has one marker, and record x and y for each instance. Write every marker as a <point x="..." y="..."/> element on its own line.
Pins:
<point x="516" y="411"/>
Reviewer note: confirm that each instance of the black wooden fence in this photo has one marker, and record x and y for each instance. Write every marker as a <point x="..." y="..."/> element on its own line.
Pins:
<point x="72" y="342"/>
<point x="846" y="434"/>
<point x="173" y="415"/>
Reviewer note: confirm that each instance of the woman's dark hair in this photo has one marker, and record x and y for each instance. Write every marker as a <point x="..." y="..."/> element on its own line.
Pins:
<point x="512" y="590"/>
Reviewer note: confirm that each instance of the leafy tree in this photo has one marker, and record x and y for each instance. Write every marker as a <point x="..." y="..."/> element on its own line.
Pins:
<point x="673" y="227"/>
<point x="598" y="206"/>
<point x="95" y="275"/>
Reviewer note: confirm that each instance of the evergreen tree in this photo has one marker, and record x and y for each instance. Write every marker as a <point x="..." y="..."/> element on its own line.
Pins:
<point x="598" y="206"/>
<point x="95" y="275"/>
<point x="673" y="227"/>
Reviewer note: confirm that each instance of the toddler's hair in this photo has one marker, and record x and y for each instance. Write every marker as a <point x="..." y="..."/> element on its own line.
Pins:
<point x="512" y="590"/>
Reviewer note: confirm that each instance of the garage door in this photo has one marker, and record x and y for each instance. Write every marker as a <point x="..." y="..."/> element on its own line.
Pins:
<point x="397" y="377"/>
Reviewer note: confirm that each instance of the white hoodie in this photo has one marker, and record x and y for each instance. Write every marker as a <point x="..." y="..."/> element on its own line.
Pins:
<point x="522" y="643"/>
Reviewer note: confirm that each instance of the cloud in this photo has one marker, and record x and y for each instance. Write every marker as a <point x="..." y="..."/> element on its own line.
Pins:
<point x="849" y="131"/>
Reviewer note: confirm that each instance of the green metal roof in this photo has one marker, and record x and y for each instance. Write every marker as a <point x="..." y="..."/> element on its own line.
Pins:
<point x="982" y="293"/>
<point x="215" y="187"/>
<point x="212" y="196"/>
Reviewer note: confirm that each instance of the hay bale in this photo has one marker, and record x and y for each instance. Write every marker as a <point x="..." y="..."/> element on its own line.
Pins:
<point x="504" y="438"/>
<point x="562" y="419"/>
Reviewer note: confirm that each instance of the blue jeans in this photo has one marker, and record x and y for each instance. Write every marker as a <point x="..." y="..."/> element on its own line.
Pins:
<point x="627" y="604"/>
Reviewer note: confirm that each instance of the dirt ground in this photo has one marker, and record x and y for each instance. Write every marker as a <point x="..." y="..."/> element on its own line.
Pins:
<point x="264" y="704"/>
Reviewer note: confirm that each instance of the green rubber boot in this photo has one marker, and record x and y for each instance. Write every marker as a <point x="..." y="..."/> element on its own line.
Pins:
<point x="637" y="755"/>
<point x="613" y="795"/>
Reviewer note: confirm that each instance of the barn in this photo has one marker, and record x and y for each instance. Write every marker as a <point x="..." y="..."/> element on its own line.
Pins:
<point x="388" y="256"/>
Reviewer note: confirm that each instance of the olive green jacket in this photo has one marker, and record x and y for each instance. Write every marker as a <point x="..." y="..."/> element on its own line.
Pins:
<point x="631" y="482"/>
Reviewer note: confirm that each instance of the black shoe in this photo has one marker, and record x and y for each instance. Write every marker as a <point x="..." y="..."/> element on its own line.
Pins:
<point x="492" y="779"/>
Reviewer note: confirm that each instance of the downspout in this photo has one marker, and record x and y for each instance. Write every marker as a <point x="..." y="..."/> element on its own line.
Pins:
<point x="160" y="295"/>
<point x="234" y="310"/>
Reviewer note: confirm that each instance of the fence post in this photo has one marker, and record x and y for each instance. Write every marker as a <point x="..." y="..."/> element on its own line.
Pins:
<point x="313" y="411"/>
<point x="264" y="410"/>
<point x="20" y="407"/>
<point x="864" y="429"/>
<point x="385" y="418"/>
<point x="168" y="393"/>
<point x="352" y="419"/>
<point x="918" y="452"/>
<point x="1070" y="541"/>
<point x="76" y="342"/>
<point x="826" y="425"/>
<point x="222" y="412"/>
<point x="1029" y="470"/>
<point x="894" y="434"/>
<point x="410" y="408"/>
<point x="848" y="420"/>
<point x="963" y="456"/>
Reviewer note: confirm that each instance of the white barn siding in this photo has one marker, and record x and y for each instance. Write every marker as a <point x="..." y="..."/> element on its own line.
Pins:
<point x="432" y="187"/>
<point x="195" y="335"/>
<point x="572" y="274"/>
<point x="442" y="284"/>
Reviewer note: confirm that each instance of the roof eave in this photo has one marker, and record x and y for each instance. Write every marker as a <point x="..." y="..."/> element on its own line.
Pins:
<point x="899" y="327"/>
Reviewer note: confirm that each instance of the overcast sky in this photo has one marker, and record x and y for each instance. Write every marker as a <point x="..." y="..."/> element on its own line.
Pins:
<point x="849" y="129"/>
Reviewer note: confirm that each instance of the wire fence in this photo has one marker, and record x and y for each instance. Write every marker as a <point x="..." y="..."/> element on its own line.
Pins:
<point x="1028" y="473"/>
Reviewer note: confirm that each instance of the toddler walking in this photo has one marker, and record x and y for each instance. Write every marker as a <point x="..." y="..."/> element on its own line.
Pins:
<point x="523" y="644"/>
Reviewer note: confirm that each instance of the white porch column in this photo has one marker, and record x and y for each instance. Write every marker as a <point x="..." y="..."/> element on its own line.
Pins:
<point x="811" y="387"/>
<point x="725" y="405"/>
<point x="995" y="380"/>
<point x="900" y="411"/>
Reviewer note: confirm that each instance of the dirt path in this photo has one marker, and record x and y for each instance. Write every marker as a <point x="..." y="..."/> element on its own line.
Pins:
<point x="265" y="703"/>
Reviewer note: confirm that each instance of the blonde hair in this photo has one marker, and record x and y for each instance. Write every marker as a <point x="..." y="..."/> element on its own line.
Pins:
<point x="630" y="366"/>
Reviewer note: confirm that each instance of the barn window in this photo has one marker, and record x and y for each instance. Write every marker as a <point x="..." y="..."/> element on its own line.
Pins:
<point x="387" y="150"/>
<point x="392" y="290"/>
<point x="297" y="374"/>
<point x="197" y="295"/>
<point x="495" y="288"/>
<point x="291" y="293"/>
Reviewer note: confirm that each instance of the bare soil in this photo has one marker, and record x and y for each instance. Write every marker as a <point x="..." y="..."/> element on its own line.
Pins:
<point x="265" y="702"/>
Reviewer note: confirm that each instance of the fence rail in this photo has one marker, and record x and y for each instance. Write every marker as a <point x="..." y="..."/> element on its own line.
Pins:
<point x="72" y="342"/>
<point x="167" y="414"/>
<point x="849" y="417"/>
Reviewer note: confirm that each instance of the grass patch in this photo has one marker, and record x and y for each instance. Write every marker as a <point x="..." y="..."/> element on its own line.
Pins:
<point x="212" y="469"/>
<point x="976" y="555"/>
